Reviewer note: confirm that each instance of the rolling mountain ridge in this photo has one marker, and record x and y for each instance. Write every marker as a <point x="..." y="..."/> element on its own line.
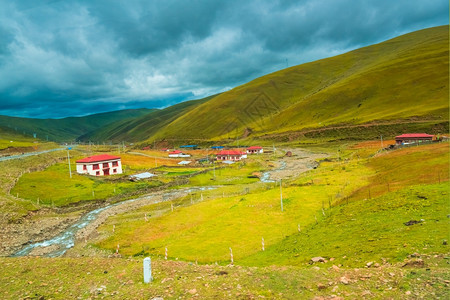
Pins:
<point x="67" y="129"/>
<point x="395" y="81"/>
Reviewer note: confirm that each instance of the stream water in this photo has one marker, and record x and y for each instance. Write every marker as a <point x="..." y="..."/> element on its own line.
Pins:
<point x="265" y="177"/>
<point x="66" y="239"/>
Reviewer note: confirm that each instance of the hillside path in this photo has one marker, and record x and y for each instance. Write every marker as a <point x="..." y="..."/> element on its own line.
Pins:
<point x="290" y="167"/>
<point x="4" y="158"/>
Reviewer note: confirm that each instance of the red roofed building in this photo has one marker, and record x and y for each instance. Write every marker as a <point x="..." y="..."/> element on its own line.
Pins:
<point x="411" y="138"/>
<point x="230" y="155"/>
<point x="255" y="149"/>
<point x="99" y="165"/>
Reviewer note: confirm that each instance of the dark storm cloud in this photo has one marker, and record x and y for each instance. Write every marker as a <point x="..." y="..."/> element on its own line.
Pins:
<point x="60" y="58"/>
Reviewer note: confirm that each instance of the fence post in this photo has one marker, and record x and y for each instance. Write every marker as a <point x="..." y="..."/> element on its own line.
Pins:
<point x="147" y="270"/>
<point x="231" y="255"/>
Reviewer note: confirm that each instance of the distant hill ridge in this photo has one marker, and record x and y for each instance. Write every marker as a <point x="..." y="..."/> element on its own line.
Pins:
<point x="70" y="128"/>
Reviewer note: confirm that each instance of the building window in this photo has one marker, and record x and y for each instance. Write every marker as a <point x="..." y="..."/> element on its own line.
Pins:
<point x="84" y="168"/>
<point x="105" y="165"/>
<point x="97" y="173"/>
<point x="95" y="167"/>
<point x="114" y="170"/>
<point x="115" y="163"/>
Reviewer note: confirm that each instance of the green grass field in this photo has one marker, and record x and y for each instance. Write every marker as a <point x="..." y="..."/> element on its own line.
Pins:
<point x="244" y="219"/>
<point x="204" y="231"/>
<point x="63" y="190"/>
<point x="365" y="231"/>
<point x="241" y="210"/>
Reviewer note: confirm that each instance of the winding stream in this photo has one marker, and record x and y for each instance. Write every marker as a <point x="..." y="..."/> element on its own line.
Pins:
<point x="266" y="175"/>
<point x="66" y="240"/>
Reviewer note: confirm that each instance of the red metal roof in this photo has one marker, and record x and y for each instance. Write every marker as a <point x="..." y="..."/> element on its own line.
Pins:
<point x="414" y="135"/>
<point x="254" y="148"/>
<point x="175" y="152"/>
<point x="97" y="158"/>
<point x="229" y="152"/>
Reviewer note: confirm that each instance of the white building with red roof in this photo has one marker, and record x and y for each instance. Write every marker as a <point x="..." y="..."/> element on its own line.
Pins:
<point x="99" y="165"/>
<point x="411" y="138"/>
<point x="232" y="155"/>
<point x="255" y="149"/>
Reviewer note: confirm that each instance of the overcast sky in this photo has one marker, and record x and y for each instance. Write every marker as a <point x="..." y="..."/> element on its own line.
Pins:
<point x="71" y="58"/>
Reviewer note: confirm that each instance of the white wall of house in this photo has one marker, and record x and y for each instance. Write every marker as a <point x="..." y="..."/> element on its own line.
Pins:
<point x="100" y="168"/>
<point x="252" y="151"/>
<point x="179" y="155"/>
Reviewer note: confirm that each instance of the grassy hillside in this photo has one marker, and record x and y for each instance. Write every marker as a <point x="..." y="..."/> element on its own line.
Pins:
<point x="14" y="140"/>
<point x="67" y="129"/>
<point x="193" y="232"/>
<point x="400" y="81"/>
<point x="141" y="128"/>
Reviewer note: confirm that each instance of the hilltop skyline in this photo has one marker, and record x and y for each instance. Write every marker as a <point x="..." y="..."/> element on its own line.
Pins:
<point x="72" y="58"/>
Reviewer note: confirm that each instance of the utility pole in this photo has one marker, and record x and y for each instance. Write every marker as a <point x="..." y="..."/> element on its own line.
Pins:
<point x="281" y="196"/>
<point x="68" y="158"/>
<point x="381" y="137"/>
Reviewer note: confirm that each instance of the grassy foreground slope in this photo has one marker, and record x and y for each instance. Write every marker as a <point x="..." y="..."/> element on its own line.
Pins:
<point x="92" y="278"/>
<point x="402" y="80"/>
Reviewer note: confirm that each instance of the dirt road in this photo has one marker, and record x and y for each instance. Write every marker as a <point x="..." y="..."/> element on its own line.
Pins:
<point x="300" y="162"/>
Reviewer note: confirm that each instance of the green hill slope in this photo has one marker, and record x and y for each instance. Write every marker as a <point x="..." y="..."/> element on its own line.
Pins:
<point x="402" y="80"/>
<point x="67" y="129"/>
<point x="141" y="128"/>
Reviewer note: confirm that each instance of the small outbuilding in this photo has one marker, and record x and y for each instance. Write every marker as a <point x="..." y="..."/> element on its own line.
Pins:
<point x="193" y="147"/>
<point x="141" y="176"/>
<point x="255" y="149"/>
<point x="412" y="138"/>
<point x="99" y="165"/>
<point x="178" y="153"/>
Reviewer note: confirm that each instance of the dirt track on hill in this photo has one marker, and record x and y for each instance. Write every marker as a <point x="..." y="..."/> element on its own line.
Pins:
<point x="300" y="162"/>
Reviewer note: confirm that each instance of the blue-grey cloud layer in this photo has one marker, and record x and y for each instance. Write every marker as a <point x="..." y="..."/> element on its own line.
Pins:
<point x="61" y="58"/>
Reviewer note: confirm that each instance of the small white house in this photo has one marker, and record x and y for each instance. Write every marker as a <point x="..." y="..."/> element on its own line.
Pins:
<point x="255" y="149"/>
<point x="178" y="153"/>
<point x="99" y="165"/>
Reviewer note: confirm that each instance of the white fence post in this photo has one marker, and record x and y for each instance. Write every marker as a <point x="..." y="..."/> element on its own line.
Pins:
<point x="231" y="255"/>
<point x="147" y="270"/>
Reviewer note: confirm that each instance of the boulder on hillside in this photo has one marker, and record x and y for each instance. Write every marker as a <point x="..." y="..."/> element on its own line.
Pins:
<point x="317" y="259"/>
